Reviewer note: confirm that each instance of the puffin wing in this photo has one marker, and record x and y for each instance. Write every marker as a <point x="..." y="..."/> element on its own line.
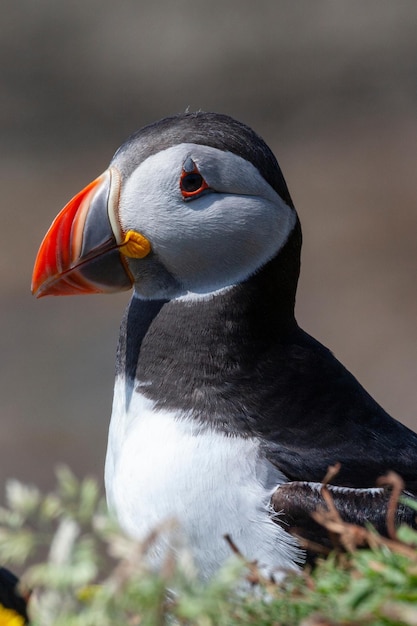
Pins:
<point x="317" y="414"/>
<point x="297" y="504"/>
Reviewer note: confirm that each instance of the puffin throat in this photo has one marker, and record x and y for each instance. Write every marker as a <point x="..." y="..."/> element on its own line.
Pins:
<point x="194" y="355"/>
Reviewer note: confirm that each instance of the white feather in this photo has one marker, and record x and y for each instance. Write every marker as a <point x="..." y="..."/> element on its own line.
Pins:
<point x="162" y="467"/>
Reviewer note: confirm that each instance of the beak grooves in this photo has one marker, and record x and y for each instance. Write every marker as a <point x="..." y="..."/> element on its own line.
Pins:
<point x="80" y="252"/>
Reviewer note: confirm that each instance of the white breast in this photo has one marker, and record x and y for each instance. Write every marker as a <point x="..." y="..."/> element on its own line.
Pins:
<point x="160" y="468"/>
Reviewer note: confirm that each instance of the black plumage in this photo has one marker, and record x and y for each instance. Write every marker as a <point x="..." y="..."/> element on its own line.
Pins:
<point x="241" y="363"/>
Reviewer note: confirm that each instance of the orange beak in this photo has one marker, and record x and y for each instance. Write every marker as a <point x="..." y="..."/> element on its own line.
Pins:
<point x="81" y="252"/>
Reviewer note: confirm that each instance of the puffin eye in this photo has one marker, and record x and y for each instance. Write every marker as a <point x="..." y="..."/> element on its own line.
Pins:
<point x="192" y="183"/>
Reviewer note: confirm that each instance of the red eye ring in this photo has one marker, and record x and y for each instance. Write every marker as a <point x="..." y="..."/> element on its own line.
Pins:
<point x="192" y="183"/>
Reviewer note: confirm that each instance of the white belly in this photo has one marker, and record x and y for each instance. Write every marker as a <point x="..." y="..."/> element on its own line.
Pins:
<point x="160" y="468"/>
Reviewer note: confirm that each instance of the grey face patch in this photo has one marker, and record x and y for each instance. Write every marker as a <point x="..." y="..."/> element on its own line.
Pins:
<point x="214" y="240"/>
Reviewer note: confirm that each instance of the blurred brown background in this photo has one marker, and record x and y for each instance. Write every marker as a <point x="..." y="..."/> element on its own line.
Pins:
<point x="331" y="85"/>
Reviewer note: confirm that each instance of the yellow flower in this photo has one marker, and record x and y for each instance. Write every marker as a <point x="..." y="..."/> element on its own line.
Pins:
<point x="8" y="617"/>
<point x="87" y="594"/>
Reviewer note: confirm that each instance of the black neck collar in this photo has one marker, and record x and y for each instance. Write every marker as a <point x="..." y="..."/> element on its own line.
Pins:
<point x="193" y="356"/>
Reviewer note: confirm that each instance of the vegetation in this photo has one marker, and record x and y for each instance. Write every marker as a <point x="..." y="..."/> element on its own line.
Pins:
<point x="84" y="572"/>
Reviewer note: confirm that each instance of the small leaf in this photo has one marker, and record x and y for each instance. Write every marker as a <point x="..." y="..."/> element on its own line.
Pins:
<point x="68" y="484"/>
<point x="23" y="499"/>
<point x="51" y="507"/>
<point x="407" y="535"/>
<point x="16" y="547"/>
<point x="89" y="496"/>
<point x="11" y="519"/>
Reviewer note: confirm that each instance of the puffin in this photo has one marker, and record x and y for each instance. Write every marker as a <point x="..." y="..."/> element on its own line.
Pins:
<point x="220" y="397"/>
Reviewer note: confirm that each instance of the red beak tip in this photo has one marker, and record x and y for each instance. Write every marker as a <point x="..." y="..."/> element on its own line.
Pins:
<point x="37" y="291"/>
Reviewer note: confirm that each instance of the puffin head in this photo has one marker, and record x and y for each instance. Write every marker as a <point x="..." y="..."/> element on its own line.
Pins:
<point x="193" y="203"/>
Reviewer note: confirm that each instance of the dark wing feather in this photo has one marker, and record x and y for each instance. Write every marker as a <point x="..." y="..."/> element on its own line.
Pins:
<point x="295" y="502"/>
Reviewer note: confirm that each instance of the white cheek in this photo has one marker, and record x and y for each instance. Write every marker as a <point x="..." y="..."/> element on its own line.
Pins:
<point x="149" y="196"/>
<point x="213" y="241"/>
<point x="224" y="242"/>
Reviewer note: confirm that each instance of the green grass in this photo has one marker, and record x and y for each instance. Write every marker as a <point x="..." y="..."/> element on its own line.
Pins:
<point x="85" y="572"/>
